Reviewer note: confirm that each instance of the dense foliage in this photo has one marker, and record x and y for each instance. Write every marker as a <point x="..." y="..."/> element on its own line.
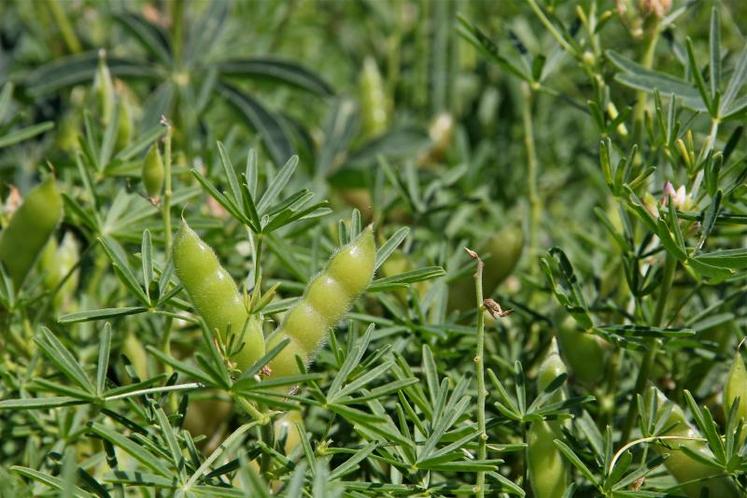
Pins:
<point x="558" y="196"/>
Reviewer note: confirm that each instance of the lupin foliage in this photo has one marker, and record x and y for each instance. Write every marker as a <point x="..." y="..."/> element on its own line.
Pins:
<point x="588" y="153"/>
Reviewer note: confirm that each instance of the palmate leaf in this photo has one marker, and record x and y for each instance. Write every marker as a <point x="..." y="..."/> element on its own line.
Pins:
<point x="277" y="139"/>
<point x="276" y="70"/>
<point x="81" y="68"/>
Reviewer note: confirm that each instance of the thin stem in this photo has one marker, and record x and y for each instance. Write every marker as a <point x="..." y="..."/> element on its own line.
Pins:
<point x="551" y="27"/>
<point x="151" y="390"/>
<point x="480" y="373"/>
<point x="535" y="204"/>
<point x="645" y="440"/>
<point x="647" y="61"/>
<point x="711" y="140"/>
<point x="167" y="191"/>
<point x="253" y="412"/>
<point x="653" y="344"/>
<point x="63" y="24"/>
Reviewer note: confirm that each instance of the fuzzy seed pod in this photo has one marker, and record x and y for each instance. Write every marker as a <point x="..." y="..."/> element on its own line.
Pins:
<point x="585" y="353"/>
<point x="153" y="173"/>
<point x="684" y="468"/>
<point x="325" y="301"/>
<point x="502" y="252"/>
<point x="104" y="87"/>
<point x="124" y="125"/>
<point x="736" y="388"/>
<point x="373" y="99"/>
<point x="32" y="224"/>
<point x="547" y="470"/>
<point x="55" y="263"/>
<point x="216" y="297"/>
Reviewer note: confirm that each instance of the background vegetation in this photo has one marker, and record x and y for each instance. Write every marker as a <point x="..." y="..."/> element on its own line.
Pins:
<point x="591" y="152"/>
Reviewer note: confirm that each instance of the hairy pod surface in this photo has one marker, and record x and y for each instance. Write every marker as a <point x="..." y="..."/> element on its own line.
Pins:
<point x="373" y="99"/>
<point x="55" y="262"/>
<point x="736" y="389"/>
<point x="585" y="353"/>
<point x="153" y="172"/>
<point x="23" y="240"/>
<point x="503" y="251"/>
<point x="685" y="468"/>
<point x="215" y="295"/>
<point x="547" y="470"/>
<point x="327" y="297"/>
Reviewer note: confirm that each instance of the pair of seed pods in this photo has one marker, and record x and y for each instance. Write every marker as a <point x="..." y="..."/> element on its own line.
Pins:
<point x="218" y="300"/>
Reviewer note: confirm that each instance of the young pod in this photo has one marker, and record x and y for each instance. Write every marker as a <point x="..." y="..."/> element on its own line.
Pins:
<point x="585" y="353"/>
<point x="153" y="172"/>
<point x="216" y="297"/>
<point x="104" y="88"/>
<point x="684" y="468"/>
<point x="547" y="470"/>
<point x="736" y="389"/>
<point x="328" y="296"/>
<point x="373" y="99"/>
<point x="28" y="231"/>
<point x="55" y="263"/>
<point x="124" y="123"/>
<point x="501" y="252"/>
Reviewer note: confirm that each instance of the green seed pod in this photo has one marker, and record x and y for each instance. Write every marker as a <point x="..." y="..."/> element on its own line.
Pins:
<point x="373" y="99"/>
<point x="124" y="125"/>
<point x="547" y="470"/>
<point x="153" y="173"/>
<point x="502" y="252"/>
<point x="684" y="468"/>
<point x="585" y="353"/>
<point x="135" y="352"/>
<point x="104" y="88"/>
<point x="736" y="387"/>
<point x="215" y="295"/>
<point x="551" y="368"/>
<point x="325" y="301"/>
<point x="55" y="263"/>
<point x="29" y="229"/>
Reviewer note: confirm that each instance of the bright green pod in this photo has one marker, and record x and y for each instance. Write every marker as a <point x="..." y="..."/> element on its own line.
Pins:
<point x="104" y="87"/>
<point x="736" y="388"/>
<point x="215" y="296"/>
<point x="55" y="262"/>
<point x="684" y="468"/>
<point x="124" y="124"/>
<point x="29" y="229"/>
<point x="327" y="297"/>
<point x="551" y="368"/>
<point x="153" y="172"/>
<point x="547" y="470"/>
<point x="585" y="353"/>
<point x="373" y="99"/>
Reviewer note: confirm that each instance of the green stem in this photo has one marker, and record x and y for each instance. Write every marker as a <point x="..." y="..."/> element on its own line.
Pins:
<point x="535" y="204"/>
<point x="480" y="373"/>
<point x="647" y="61"/>
<point x="249" y="408"/>
<point x="167" y="191"/>
<point x="647" y="364"/>
<point x="177" y="27"/>
<point x="63" y="24"/>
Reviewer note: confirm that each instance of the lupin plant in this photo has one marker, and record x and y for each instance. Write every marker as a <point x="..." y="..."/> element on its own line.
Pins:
<point x="502" y="255"/>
